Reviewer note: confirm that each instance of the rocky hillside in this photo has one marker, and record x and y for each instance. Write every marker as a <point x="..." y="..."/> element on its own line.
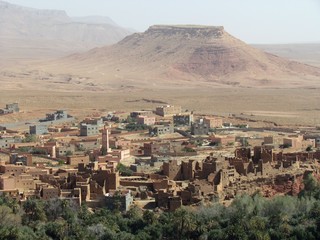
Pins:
<point x="192" y="55"/>
<point x="29" y="33"/>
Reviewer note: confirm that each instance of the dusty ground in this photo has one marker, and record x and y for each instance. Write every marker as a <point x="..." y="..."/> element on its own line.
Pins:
<point x="38" y="92"/>
<point x="284" y="106"/>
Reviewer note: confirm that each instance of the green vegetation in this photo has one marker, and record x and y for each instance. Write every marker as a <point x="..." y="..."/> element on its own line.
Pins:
<point x="248" y="217"/>
<point x="81" y="148"/>
<point x="213" y="130"/>
<point x="241" y="126"/>
<point x="197" y="141"/>
<point x="135" y="127"/>
<point x="24" y="149"/>
<point x="244" y="142"/>
<point x="61" y="162"/>
<point x="69" y="153"/>
<point x="188" y="149"/>
<point x="124" y="170"/>
<point x="39" y="151"/>
<point x="32" y="150"/>
<point x="30" y="138"/>
<point x="129" y="120"/>
<point x="103" y="151"/>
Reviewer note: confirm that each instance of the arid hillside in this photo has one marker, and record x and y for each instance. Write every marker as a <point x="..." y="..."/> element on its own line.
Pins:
<point x="191" y="55"/>
<point x="200" y="68"/>
<point x="27" y="33"/>
<point x="166" y="57"/>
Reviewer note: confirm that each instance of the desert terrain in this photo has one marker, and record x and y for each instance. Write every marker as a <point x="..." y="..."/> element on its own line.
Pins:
<point x="283" y="106"/>
<point x="201" y="68"/>
<point x="35" y="34"/>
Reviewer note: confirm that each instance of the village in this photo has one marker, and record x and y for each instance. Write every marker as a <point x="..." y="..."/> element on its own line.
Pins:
<point x="155" y="159"/>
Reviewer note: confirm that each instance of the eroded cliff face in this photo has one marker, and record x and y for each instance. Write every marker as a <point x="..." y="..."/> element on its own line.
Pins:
<point x="187" y="31"/>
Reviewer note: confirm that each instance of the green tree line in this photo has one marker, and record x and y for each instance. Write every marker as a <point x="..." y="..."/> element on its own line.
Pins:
<point x="247" y="217"/>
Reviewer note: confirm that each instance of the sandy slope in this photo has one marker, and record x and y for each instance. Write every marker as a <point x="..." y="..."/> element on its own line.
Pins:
<point x="188" y="55"/>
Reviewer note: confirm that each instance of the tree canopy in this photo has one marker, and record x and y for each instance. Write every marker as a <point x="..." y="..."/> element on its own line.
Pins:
<point x="247" y="217"/>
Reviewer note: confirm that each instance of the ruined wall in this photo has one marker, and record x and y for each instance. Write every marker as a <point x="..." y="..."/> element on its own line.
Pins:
<point x="172" y="170"/>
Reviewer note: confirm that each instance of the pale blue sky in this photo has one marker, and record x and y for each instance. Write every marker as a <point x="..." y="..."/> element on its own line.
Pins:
<point x="254" y="21"/>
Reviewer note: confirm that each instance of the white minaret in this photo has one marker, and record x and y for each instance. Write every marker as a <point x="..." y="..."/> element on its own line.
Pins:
<point x="105" y="139"/>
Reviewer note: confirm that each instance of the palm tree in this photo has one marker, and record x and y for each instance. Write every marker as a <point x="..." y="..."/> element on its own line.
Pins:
<point x="184" y="223"/>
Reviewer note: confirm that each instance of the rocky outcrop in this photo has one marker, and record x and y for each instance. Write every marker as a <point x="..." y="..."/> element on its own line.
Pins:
<point x="186" y="31"/>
